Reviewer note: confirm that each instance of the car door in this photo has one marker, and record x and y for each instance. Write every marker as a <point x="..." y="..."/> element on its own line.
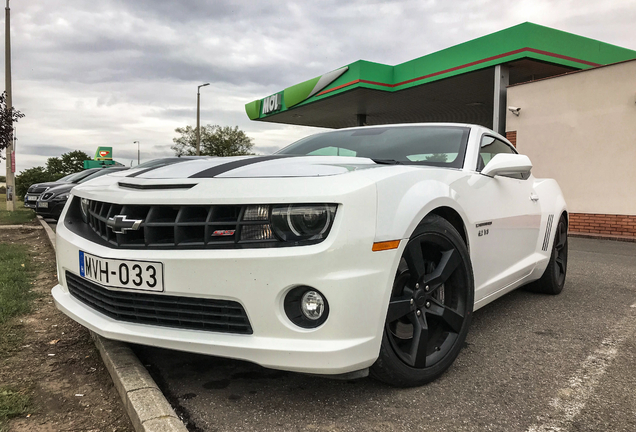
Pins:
<point x="506" y="218"/>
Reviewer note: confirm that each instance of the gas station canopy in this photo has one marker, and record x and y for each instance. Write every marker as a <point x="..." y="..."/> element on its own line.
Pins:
<point x="464" y="83"/>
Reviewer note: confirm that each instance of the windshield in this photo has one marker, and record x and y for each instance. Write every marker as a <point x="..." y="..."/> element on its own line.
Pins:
<point x="81" y="175"/>
<point x="67" y="178"/>
<point x="422" y="145"/>
<point x="100" y="173"/>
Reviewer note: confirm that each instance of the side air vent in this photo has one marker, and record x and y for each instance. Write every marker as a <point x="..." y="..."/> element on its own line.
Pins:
<point x="548" y="230"/>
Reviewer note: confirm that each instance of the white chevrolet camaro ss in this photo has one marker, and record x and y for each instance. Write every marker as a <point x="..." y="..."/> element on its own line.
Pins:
<point x="355" y="251"/>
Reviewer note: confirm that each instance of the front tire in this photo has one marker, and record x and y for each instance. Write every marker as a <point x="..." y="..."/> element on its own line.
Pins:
<point x="430" y="308"/>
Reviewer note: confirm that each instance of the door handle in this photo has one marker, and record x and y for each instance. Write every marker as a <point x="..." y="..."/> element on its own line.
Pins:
<point x="534" y="197"/>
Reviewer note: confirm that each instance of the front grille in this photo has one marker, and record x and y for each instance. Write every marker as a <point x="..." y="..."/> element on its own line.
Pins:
<point x="170" y="227"/>
<point x="161" y="310"/>
<point x="46" y="195"/>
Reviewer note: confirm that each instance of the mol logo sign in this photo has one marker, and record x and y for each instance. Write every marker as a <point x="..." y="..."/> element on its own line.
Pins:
<point x="272" y="103"/>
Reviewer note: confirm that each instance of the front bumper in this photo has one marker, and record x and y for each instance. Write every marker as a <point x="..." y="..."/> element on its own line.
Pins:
<point x="355" y="281"/>
<point x="54" y="209"/>
<point x="30" y="200"/>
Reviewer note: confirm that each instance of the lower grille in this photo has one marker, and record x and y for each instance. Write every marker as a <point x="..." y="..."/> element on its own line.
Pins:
<point x="162" y="310"/>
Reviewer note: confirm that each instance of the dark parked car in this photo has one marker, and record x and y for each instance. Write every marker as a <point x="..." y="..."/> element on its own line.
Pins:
<point x="35" y="190"/>
<point x="51" y="202"/>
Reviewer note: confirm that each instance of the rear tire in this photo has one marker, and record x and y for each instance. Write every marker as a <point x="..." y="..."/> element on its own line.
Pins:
<point x="430" y="308"/>
<point x="553" y="277"/>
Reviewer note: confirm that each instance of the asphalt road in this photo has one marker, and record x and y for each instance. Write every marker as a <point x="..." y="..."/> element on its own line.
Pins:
<point x="531" y="363"/>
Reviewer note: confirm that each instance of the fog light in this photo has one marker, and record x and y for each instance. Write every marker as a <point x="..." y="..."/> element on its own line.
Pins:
<point x="312" y="305"/>
<point x="306" y="307"/>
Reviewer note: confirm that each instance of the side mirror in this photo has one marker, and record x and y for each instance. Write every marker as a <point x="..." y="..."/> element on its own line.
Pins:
<point x="509" y="165"/>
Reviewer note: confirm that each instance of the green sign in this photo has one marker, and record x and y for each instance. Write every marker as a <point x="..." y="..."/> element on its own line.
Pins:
<point x="104" y="153"/>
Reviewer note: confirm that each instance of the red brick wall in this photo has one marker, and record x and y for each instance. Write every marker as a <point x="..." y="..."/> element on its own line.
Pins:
<point x="512" y="137"/>
<point x="622" y="225"/>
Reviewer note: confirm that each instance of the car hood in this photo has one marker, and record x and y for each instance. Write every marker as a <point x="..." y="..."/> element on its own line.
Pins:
<point x="256" y="166"/>
<point x="61" y="188"/>
<point x="47" y="184"/>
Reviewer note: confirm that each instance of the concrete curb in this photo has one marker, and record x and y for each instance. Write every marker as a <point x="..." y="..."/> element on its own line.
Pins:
<point x="147" y="407"/>
<point x="49" y="232"/>
<point x="31" y="227"/>
<point x="602" y="237"/>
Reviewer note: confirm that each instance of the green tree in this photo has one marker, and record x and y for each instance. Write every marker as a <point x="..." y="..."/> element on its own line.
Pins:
<point x="68" y="163"/>
<point x="215" y="141"/>
<point x="54" y="166"/>
<point x="32" y="176"/>
<point x="8" y="116"/>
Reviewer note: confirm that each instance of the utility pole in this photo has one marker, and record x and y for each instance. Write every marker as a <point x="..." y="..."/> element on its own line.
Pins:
<point x="138" y="158"/>
<point x="198" y="117"/>
<point x="7" y="76"/>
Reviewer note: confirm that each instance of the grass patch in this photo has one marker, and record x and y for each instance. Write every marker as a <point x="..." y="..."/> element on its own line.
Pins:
<point x="12" y="404"/>
<point x="16" y="274"/>
<point x="20" y="216"/>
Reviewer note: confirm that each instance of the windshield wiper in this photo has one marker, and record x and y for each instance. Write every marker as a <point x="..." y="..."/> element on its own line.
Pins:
<point x="386" y="161"/>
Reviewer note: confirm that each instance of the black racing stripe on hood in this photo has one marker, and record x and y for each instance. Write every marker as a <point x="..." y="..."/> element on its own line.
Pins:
<point x="223" y="168"/>
<point x="169" y="162"/>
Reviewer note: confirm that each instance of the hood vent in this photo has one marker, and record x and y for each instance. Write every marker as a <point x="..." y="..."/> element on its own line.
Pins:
<point x="156" y="186"/>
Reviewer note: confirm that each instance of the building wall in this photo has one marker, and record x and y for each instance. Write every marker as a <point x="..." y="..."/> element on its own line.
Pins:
<point x="580" y="129"/>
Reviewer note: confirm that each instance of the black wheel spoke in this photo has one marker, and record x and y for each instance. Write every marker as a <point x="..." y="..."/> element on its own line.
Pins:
<point x="447" y="265"/>
<point x="398" y="308"/>
<point x="561" y="237"/>
<point x="561" y="263"/>
<point x="451" y="318"/>
<point x="420" y="341"/>
<point x="415" y="260"/>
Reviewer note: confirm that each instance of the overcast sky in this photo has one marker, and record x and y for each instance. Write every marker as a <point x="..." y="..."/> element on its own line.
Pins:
<point x="88" y="73"/>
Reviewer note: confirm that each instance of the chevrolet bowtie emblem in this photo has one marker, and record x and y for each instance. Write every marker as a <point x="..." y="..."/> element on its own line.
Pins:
<point x="119" y="224"/>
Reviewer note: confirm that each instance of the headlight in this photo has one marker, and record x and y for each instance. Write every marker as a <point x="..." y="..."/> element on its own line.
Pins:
<point x="84" y="203"/>
<point x="302" y="221"/>
<point x="287" y="223"/>
<point x="63" y="196"/>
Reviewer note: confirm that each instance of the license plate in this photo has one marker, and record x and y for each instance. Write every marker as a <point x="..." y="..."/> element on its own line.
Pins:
<point x="139" y="275"/>
<point x="43" y="204"/>
<point x="32" y="198"/>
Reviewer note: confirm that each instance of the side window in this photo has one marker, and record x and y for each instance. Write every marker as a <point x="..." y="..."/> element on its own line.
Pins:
<point x="491" y="146"/>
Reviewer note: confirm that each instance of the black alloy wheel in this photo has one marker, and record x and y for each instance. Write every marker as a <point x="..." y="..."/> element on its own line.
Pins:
<point x="430" y="308"/>
<point x="553" y="278"/>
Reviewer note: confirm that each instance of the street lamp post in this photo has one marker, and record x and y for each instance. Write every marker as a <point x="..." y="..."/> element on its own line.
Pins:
<point x="198" y="118"/>
<point x="137" y="142"/>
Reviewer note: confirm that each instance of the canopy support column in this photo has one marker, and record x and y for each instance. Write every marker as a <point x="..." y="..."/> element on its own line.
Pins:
<point x="502" y="79"/>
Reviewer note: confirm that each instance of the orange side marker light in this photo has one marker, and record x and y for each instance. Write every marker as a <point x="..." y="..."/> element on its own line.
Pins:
<point x="387" y="245"/>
